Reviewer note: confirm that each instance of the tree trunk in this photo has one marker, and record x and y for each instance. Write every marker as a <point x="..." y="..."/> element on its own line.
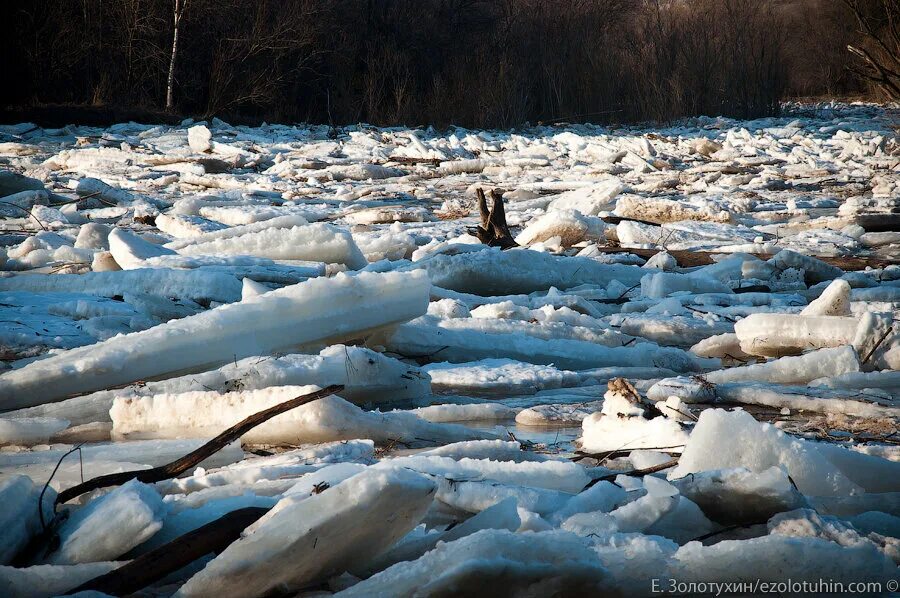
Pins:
<point x="170" y="81"/>
<point x="214" y="537"/>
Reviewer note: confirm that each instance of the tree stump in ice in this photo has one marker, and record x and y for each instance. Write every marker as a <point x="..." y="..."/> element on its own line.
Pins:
<point x="493" y="230"/>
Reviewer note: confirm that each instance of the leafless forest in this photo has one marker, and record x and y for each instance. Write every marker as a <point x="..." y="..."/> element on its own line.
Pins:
<point x="479" y="63"/>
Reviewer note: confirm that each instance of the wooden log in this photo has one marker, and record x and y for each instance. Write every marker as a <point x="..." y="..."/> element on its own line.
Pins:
<point x="149" y="568"/>
<point x="179" y="466"/>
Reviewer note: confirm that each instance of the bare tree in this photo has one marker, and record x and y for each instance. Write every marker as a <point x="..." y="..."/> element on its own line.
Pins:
<point x="180" y="6"/>
<point x="879" y="46"/>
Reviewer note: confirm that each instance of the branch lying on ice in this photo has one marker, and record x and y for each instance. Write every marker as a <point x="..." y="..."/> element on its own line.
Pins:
<point x="148" y="568"/>
<point x="636" y="473"/>
<point x="45" y="542"/>
<point x="183" y="464"/>
<point x="581" y="455"/>
<point x="41" y="224"/>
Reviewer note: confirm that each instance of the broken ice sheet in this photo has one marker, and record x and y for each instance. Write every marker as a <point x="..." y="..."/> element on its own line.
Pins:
<point x="217" y="217"/>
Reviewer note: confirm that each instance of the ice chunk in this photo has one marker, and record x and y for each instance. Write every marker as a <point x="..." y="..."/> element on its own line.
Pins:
<point x="873" y="473"/>
<point x="623" y="425"/>
<point x="252" y="288"/>
<point x="834" y="301"/>
<point x="723" y="346"/>
<point x="362" y="172"/>
<point x="496" y="450"/>
<point x="29" y="431"/>
<point x="92" y="187"/>
<point x="552" y="563"/>
<point x="458" y="413"/>
<point x="102" y="458"/>
<point x="368" y="377"/>
<point x="326" y="477"/>
<point x="196" y="285"/>
<point x="816" y="270"/>
<point x="588" y="200"/>
<point x="774" y="335"/>
<point x="875" y="521"/>
<point x="544" y="415"/>
<point x="44" y="581"/>
<point x="724" y="439"/>
<point x="344" y="526"/>
<point x="311" y="242"/>
<point x="793" y="370"/>
<point x="805" y="398"/>
<point x="807" y="523"/>
<point x="460" y="346"/>
<point x="317" y="311"/>
<point x="287" y="465"/>
<point x="845" y="506"/>
<point x="603" y="497"/>
<point x="448" y="308"/>
<point x="740" y="496"/>
<point x="183" y="226"/>
<point x="93" y="235"/>
<point x="660" y="210"/>
<point x="204" y="413"/>
<point x="635" y="561"/>
<point x="109" y="526"/>
<point x="661" y="261"/>
<point x="13" y="182"/>
<point x="185" y="520"/>
<point x="131" y="252"/>
<point x="663" y="284"/>
<point x="19" y="518"/>
<point x="775" y="559"/>
<point x="495" y="375"/>
<point x="571" y="226"/>
<point x="492" y="272"/>
<point x="685" y="522"/>
<point x="564" y="476"/>
<point x="200" y="139"/>
<point x="502" y="516"/>
<point x="476" y="496"/>
<point x="388" y="214"/>
<point x="228" y="232"/>
<point x="594" y="524"/>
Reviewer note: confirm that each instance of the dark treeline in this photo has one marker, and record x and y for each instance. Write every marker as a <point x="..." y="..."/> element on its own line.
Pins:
<point x="481" y="63"/>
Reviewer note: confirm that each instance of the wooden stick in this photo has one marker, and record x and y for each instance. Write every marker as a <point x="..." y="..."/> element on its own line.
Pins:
<point x="28" y="212"/>
<point x="179" y="466"/>
<point x="148" y="568"/>
<point x="634" y="472"/>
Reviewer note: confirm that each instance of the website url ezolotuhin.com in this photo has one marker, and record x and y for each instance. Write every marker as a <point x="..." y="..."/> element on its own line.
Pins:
<point x="758" y="586"/>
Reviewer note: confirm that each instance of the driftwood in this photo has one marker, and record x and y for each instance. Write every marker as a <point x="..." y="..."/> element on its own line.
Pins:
<point x="493" y="230"/>
<point x="637" y="473"/>
<point x="47" y="540"/>
<point x="179" y="466"/>
<point x="149" y="568"/>
<point x="690" y="259"/>
<point x="412" y="160"/>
